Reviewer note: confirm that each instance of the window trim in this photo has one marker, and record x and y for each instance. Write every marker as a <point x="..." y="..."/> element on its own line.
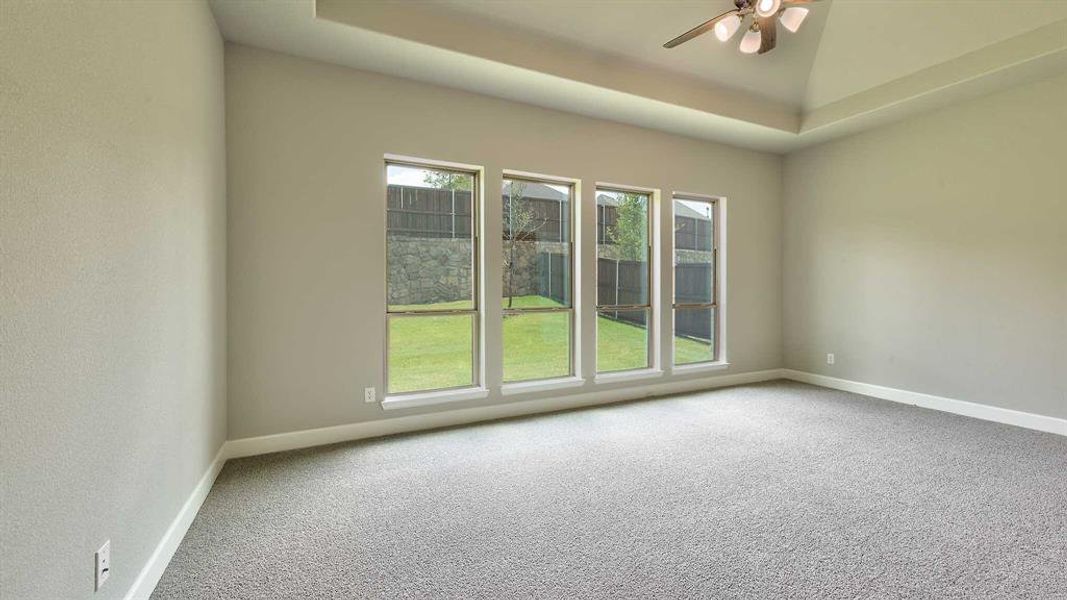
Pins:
<point x="650" y="307"/>
<point x="718" y="359"/>
<point x="476" y="312"/>
<point x="430" y="398"/>
<point x="572" y="309"/>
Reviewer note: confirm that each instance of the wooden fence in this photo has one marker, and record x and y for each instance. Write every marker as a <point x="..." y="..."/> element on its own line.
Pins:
<point x="427" y="212"/>
<point x="625" y="282"/>
<point x="621" y="282"/>
<point x="692" y="285"/>
<point x="692" y="234"/>
<point x="434" y="213"/>
<point x="549" y="220"/>
<point x="554" y="276"/>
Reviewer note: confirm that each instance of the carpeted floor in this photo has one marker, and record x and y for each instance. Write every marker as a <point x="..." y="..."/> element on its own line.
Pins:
<point x="765" y="491"/>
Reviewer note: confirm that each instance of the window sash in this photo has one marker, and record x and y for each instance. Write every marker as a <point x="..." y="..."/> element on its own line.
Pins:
<point x="476" y="275"/>
<point x="571" y="340"/>
<point x="649" y="357"/>
<point x="475" y="347"/>
<point x="714" y="283"/>
<point x="475" y="312"/>
<point x="647" y="306"/>
<point x="648" y="247"/>
<point x="570" y="307"/>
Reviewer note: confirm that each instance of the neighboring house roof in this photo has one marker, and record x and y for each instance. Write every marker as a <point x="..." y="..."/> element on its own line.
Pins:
<point x="681" y="210"/>
<point x="542" y="192"/>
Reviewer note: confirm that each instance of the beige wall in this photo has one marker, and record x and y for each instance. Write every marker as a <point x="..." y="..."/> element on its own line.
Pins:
<point x="112" y="221"/>
<point x="931" y="255"/>
<point x="306" y="143"/>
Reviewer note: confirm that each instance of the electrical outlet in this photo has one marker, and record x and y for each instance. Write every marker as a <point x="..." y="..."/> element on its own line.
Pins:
<point x="103" y="564"/>
<point x="830" y="358"/>
<point x="368" y="394"/>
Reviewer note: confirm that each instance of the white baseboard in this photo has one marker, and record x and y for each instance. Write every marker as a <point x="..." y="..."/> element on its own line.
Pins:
<point x="157" y="563"/>
<point x="959" y="407"/>
<point x="355" y="431"/>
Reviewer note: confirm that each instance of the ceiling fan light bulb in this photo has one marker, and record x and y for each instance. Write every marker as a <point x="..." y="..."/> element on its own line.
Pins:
<point x="727" y="27"/>
<point x="750" y="43"/>
<point x="792" y="17"/>
<point x="767" y="8"/>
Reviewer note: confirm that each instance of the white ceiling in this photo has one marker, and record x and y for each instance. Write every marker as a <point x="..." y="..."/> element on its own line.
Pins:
<point x="637" y="29"/>
<point x="854" y="63"/>
<point x="870" y="42"/>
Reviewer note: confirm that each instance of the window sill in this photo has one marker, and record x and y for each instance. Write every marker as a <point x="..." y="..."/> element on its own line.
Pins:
<point x="629" y="375"/>
<point x="700" y="367"/>
<point x="541" y="385"/>
<point x="431" y="398"/>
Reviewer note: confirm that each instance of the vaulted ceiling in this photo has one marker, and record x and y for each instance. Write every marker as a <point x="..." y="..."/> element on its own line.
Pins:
<point x="854" y="63"/>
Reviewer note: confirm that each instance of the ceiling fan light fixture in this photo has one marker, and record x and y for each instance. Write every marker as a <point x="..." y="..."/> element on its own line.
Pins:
<point x="768" y="8"/>
<point x="750" y="43"/>
<point x="792" y="17"/>
<point x="727" y="27"/>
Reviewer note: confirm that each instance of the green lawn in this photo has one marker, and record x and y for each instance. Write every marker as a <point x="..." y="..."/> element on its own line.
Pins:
<point x="435" y="352"/>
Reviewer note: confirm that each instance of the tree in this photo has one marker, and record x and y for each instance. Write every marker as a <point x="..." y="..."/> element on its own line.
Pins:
<point x="457" y="182"/>
<point x="519" y="223"/>
<point x="630" y="232"/>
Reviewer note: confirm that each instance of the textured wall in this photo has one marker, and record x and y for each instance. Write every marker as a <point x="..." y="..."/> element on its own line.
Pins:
<point x="112" y="221"/>
<point x="931" y="255"/>
<point x="306" y="142"/>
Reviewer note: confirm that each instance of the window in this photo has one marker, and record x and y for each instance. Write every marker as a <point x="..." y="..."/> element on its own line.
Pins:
<point x="431" y="279"/>
<point x="538" y="266"/>
<point x="696" y="257"/>
<point x="624" y="309"/>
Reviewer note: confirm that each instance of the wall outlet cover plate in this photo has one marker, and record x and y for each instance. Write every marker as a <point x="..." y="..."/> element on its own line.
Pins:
<point x="103" y="564"/>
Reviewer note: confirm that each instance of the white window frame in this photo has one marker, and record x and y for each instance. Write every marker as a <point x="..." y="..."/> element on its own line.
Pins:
<point x="570" y="379"/>
<point x="477" y="388"/>
<point x="719" y="358"/>
<point x="652" y="367"/>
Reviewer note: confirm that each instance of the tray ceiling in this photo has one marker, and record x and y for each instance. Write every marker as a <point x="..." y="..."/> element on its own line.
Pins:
<point x="854" y="63"/>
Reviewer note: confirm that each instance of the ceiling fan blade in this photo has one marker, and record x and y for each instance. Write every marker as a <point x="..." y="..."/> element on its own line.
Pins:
<point x="701" y="29"/>
<point x="768" y="29"/>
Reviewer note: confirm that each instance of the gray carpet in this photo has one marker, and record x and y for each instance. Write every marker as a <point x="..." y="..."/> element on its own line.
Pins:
<point x="765" y="491"/>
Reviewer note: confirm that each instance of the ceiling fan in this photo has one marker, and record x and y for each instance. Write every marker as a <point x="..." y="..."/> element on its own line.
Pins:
<point x="762" y="34"/>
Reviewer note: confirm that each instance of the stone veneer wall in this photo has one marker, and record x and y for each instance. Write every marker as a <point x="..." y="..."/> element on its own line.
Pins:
<point x="431" y="270"/>
<point x="428" y="270"/>
<point x="611" y="252"/>
<point x="525" y="278"/>
<point x="694" y="256"/>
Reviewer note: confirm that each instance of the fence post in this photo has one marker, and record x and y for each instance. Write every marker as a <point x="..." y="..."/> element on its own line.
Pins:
<point x="617" y="261"/>
<point x="454" y="213"/>
<point x="559" y="230"/>
<point x="548" y="255"/>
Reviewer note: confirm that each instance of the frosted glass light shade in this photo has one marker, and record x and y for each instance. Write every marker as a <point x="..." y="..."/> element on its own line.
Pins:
<point x="767" y="8"/>
<point x="793" y="17"/>
<point x="751" y="42"/>
<point x="727" y="27"/>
